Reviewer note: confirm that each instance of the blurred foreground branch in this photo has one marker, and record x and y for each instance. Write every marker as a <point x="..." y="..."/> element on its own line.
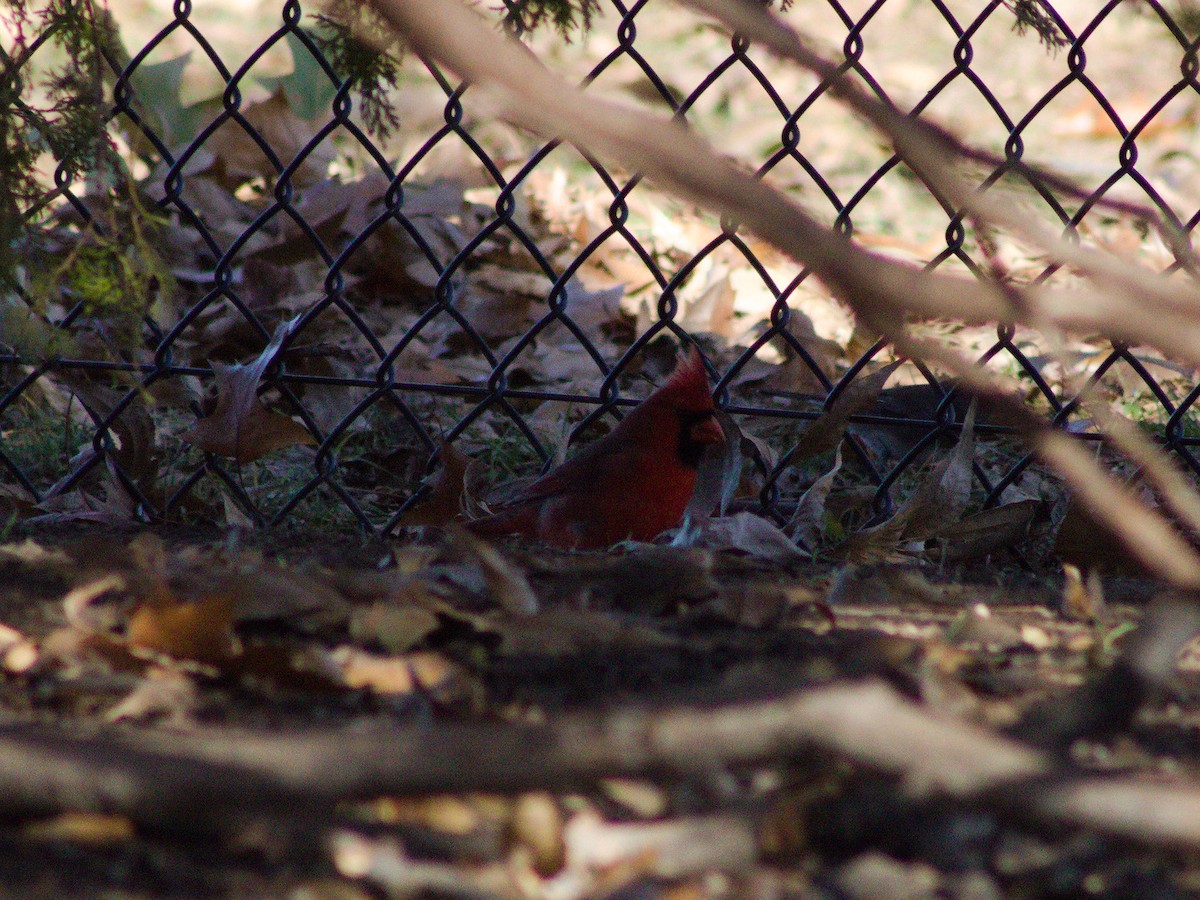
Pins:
<point x="221" y="782"/>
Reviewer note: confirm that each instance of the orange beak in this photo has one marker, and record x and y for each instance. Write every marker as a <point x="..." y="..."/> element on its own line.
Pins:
<point x="707" y="431"/>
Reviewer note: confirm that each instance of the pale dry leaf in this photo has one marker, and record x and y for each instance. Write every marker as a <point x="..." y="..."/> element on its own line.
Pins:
<point x="570" y="632"/>
<point x="234" y="515"/>
<point x="537" y="828"/>
<point x="447" y="681"/>
<point x="264" y="591"/>
<point x="384" y="862"/>
<point x="79" y="599"/>
<point x="675" y="848"/>
<point x="1082" y="598"/>
<point x="713" y="311"/>
<point x="19" y="654"/>
<point x="161" y="694"/>
<point x="719" y="473"/>
<point x="807" y="524"/>
<point x="943" y="496"/>
<point x="389" y="675"/>
<point x="744" y="532"/>
<point x="94" y="829"/>
<point x="397" y="628"/>
<point x="30" y="553"/>
<point x="794" y="374"/>
<point x="506" y="584"/>
<point x="592" y="310"/>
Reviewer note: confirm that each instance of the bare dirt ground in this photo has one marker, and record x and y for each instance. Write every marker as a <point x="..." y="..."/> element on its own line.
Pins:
<point x="291" y="715"/>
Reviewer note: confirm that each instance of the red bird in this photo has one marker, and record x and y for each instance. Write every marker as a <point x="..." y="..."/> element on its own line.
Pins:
<point x="635" y="482"/>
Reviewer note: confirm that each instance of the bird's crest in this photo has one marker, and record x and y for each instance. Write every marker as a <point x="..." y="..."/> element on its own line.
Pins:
<point x="689" y="381"/>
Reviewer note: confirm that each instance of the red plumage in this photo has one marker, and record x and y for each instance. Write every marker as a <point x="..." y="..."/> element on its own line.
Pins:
<point x="635" y="482"/>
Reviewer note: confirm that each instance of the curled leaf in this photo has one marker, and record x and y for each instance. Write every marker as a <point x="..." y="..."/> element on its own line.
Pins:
<point x="240" y="426"/>
<point x="826" y="432"/>
<point x="808" y="522"/>
<point x="446" y="488"/>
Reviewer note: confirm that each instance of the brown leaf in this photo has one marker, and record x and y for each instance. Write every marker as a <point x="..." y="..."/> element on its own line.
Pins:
<point x="1083" y="599"/>
<point x="808" y="522"/>
<point x="826" y="432"/>
<point x="794" y="375"/>
<point x="432" y="673"/>
<point x="444" y="502"/>
<point x="273" y="122"/>
<point x="200" y="630"/>
<point x="264" y="591"/>
<point x="134" y="451"/>
<point x="93" y="829"/>
<point x="938" y="503"/>
<point x="985" y="532"/>
<point x="240" y="426"/>
<point x="943" y="496"/>
<point x="878" y="543"/>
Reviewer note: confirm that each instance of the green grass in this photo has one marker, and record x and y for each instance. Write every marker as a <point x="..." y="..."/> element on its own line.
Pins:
<point x="40" y="441"/>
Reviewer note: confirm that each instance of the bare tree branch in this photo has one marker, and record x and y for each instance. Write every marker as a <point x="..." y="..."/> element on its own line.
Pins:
<point x="221" y="781"/>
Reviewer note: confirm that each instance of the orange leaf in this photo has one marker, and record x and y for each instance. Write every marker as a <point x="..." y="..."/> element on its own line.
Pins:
<point x="201" y="630"/>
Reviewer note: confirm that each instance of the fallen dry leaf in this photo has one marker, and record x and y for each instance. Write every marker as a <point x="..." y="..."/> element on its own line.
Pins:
<point x="1083" y="599"/>
<point x="91" y="828"/>
<point x="984" y="532"/>
<point x="825" y="433"/>
<point x="938" y="503"/>
<point x="719" y="474"/>
<point x="506" y="584"/>
<point x="807" y="524"/>
<point x="943" y="496"/>
<point x="162" y="693"/>
<point x="200" y="630"/>
<point x="240" y="426"/>
<point x="744" y="532"/>
<point x="444" y="502"/>
<point x="396" y="627"/>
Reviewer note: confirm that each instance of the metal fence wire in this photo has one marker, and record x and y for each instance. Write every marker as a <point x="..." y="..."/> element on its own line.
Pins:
<point x="460" y="282"/>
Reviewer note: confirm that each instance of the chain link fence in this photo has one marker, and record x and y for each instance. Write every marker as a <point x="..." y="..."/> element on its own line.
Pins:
<point x="277" y="308"/>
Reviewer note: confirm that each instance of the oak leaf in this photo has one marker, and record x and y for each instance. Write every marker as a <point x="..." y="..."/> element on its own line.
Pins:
<point x="240" y="426"/>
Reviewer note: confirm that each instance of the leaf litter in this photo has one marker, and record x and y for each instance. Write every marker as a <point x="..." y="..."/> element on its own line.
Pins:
<point x="207" y="638"/>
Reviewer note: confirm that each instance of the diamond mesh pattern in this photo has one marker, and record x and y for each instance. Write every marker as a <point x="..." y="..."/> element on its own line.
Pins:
<point x="973" y="72"/>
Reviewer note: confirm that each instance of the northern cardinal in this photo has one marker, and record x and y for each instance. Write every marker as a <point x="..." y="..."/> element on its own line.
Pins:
<point x="633" y="483"/>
